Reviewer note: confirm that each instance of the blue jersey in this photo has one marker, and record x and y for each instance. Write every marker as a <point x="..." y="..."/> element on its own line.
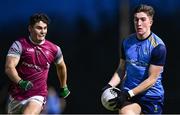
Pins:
<point x="139" y="54"/>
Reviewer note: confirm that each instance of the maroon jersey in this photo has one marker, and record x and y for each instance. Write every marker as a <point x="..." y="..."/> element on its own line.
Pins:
<point x="34" y="65"/>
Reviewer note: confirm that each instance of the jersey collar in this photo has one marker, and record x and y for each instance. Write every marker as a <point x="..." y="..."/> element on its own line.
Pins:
<point x="35" y="42"/>
<point x="145" y="38"/>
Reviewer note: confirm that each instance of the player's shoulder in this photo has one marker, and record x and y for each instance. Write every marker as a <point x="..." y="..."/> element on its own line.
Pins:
<point x="157" y="38"/>
<point x="21" y="41"/>
<point x="160" y="48"/>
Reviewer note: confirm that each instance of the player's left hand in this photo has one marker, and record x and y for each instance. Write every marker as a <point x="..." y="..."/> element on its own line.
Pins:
<point x="122" y="97"/>
<point x="64" y="92"/>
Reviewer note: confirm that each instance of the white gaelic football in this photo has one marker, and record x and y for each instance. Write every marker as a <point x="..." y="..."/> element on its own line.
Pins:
<point x="106" y="96"/>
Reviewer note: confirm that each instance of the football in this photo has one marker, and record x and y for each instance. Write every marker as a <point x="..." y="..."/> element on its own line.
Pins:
<point x="106" y="96"/>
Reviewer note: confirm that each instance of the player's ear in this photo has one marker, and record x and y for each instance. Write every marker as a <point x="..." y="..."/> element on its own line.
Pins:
<point x="30" y="28"/>
<point x="151" y="21"/>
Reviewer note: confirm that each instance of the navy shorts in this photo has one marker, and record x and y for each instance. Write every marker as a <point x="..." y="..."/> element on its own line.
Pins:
<point x="149" y="105"/>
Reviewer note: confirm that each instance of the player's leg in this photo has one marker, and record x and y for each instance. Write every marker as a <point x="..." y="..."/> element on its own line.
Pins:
<point x="131" y="109"/>
<point x="32" y="108"/>
<point x="34" y="105"/>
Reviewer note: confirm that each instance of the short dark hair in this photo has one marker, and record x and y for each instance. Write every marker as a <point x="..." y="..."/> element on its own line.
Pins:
<point x="38" y="17"/>
<point x="149" y="10"/>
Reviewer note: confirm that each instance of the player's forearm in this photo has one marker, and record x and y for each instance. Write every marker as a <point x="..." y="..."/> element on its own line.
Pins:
<point x="10" y="68"/>
<point x="154" y="72"/>
<point x="115" y="80"/>
<point x="149" y="82"/>
<point x="12" y="74"/>
<point x="63" y="78"/>
<point x="62" y="75"/>
<point x="117" y="77"/>
<point x="120" y="72"/>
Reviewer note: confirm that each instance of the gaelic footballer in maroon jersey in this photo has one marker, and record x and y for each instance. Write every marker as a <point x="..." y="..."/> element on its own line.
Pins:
<point x="27" y="65"/>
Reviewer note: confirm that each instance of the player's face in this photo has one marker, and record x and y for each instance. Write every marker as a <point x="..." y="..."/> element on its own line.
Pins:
<point x="38" y="31"/>
<point x="142" y="24"/>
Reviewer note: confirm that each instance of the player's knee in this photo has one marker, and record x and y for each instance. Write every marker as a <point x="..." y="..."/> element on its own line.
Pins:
<point x="31" y="111"/>
<point x="133" y="109"/>
<point x="127" y="112"/>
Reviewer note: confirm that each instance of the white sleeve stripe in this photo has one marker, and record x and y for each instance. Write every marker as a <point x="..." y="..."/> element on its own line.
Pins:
<point x="14" y="55"/>
<point x="59" y="60"/>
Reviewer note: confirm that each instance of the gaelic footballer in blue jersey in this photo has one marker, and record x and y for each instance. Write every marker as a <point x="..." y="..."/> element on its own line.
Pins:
<point x="141" y="66"/>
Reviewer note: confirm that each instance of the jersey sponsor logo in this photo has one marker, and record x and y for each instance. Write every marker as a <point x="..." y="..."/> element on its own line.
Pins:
<point x="137" y="63"/>
<point x="33" y="66"/>
<point x="30" y="49"/>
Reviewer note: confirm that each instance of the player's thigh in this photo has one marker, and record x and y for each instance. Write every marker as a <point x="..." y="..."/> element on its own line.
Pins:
<point x="32" y="107"/>
<point x="131" y="109"/>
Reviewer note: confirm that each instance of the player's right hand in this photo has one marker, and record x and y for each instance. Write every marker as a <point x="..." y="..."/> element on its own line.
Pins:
<point x="25" y="85"/>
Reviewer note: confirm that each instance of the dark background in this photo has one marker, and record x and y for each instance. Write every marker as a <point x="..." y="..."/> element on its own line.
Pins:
<point x="89" y="34"/>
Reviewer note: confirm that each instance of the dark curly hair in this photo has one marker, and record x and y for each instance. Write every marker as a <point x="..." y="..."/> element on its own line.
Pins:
<point x="38" y="17"/>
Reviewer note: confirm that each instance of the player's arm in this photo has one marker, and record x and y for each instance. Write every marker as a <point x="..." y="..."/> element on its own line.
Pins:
<point x="119" y="74"/>
<point x="120" y="71"/>
<point x="12" y="61"/>
<point x="10" y="68"/>
<point x="156" y="65"/>
<point x="154" y="72"/>
<point x="62" y="74"/>
<point x="116" y="79"/>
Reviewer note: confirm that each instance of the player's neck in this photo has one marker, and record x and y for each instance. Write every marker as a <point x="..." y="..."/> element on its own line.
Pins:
<point x="144" y="36"/>
<point x="35" y="42"/>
